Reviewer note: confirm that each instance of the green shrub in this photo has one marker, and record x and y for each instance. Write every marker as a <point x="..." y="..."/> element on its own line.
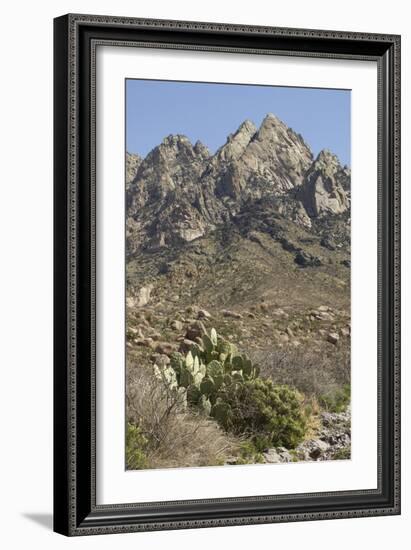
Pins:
<point x="248" y="454"/>
<point x="136" y="444"/>
<point x="343" y="454"/>
<point x="270" y="415"/>
<point x="336" y="401"/>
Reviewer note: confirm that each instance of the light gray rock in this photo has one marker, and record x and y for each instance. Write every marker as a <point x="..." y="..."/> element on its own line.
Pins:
<point x="272" y="457"/>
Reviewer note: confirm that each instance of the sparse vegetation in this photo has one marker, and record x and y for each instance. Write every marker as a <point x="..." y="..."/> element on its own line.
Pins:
<point x="324" y="376"/>
<point x="163" y="433"/>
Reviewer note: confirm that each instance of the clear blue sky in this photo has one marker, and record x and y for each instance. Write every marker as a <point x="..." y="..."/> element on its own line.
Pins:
<point x="209" y="112"/>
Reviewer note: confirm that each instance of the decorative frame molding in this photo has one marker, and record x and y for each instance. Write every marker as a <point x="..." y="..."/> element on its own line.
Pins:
<point x="76" y="40"/>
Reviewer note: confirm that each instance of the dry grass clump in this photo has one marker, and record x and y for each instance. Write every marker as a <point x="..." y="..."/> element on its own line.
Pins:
<point x="174" y="435"/>
<point x="312" y="373"/>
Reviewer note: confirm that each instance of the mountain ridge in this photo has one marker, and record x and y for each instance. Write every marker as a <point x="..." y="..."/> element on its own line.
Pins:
<point x="180" y="191"/>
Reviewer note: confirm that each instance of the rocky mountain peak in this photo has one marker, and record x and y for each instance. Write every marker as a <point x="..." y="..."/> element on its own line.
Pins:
<point x="180" y="192"/>
<point x="271" y="127"/>
<point x="236" y="143"/>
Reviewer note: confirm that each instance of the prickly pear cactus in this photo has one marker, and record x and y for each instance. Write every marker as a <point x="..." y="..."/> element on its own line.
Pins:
<point x="214" y="337"/>
<point x="168" y="375"/>
<point x="206" y="373"/>
<point x="207" y="386"/>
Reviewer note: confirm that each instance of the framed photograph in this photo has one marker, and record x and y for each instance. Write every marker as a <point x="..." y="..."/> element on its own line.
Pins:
<point x="227" y="279"/>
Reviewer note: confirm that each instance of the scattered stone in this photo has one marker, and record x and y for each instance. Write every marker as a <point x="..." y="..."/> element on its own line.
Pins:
<point x="289" y="332"/>
<point x="333" y="338"/>
<point x="304" y="259"/>
<point x="232" y="314"/>
<point x="143" y="295"/>
<point x="203" y="314"/>
<point x="345" y="331"/>
<point x="317" y="448"/>
<point x="272" y="457"/>
<point x="145" y="342"/>
<point x="280" y="313"/>
<point x="177" y="325"/>
<point x="186" y="345"/>
<point x="155" y="335"/>
<point x="284" y="454"/>
<point x="165" y="348"/>
<point x="346" y="263"/>
<point x="328" y="243"/>
<point x="195" y="330"/>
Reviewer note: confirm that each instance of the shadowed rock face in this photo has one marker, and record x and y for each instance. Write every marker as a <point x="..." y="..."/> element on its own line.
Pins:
<point x="323" y="190"/>
<point x="179" y="192"/>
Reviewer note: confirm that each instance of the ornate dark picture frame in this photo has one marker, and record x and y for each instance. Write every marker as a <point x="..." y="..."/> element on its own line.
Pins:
<point x="75" y="40"/>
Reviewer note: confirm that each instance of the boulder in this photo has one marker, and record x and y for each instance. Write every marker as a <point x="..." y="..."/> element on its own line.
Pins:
<point x="232" y="314"/>
<point x="165" y="348"/>
<point x="304" y="259"/>
<point x="145" y="342"/>
<point x="195" y="330"/>
<point x="203" y="314"/>
<point x="177" y="325"/>
<point x="333" y="338"/>
<point x="272" y="457"/>
<point x="141" y="297"/>
<point x="186" y="345"/>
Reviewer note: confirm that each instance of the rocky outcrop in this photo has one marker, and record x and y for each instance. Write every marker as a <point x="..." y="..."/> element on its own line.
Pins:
<point x="133" y="162"/>
<point x="141" y="297"/>
<point x="322" y="192"/>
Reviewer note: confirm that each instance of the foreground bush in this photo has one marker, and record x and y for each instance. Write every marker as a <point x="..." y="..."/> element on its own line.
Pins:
<point x="270" y="415"/>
